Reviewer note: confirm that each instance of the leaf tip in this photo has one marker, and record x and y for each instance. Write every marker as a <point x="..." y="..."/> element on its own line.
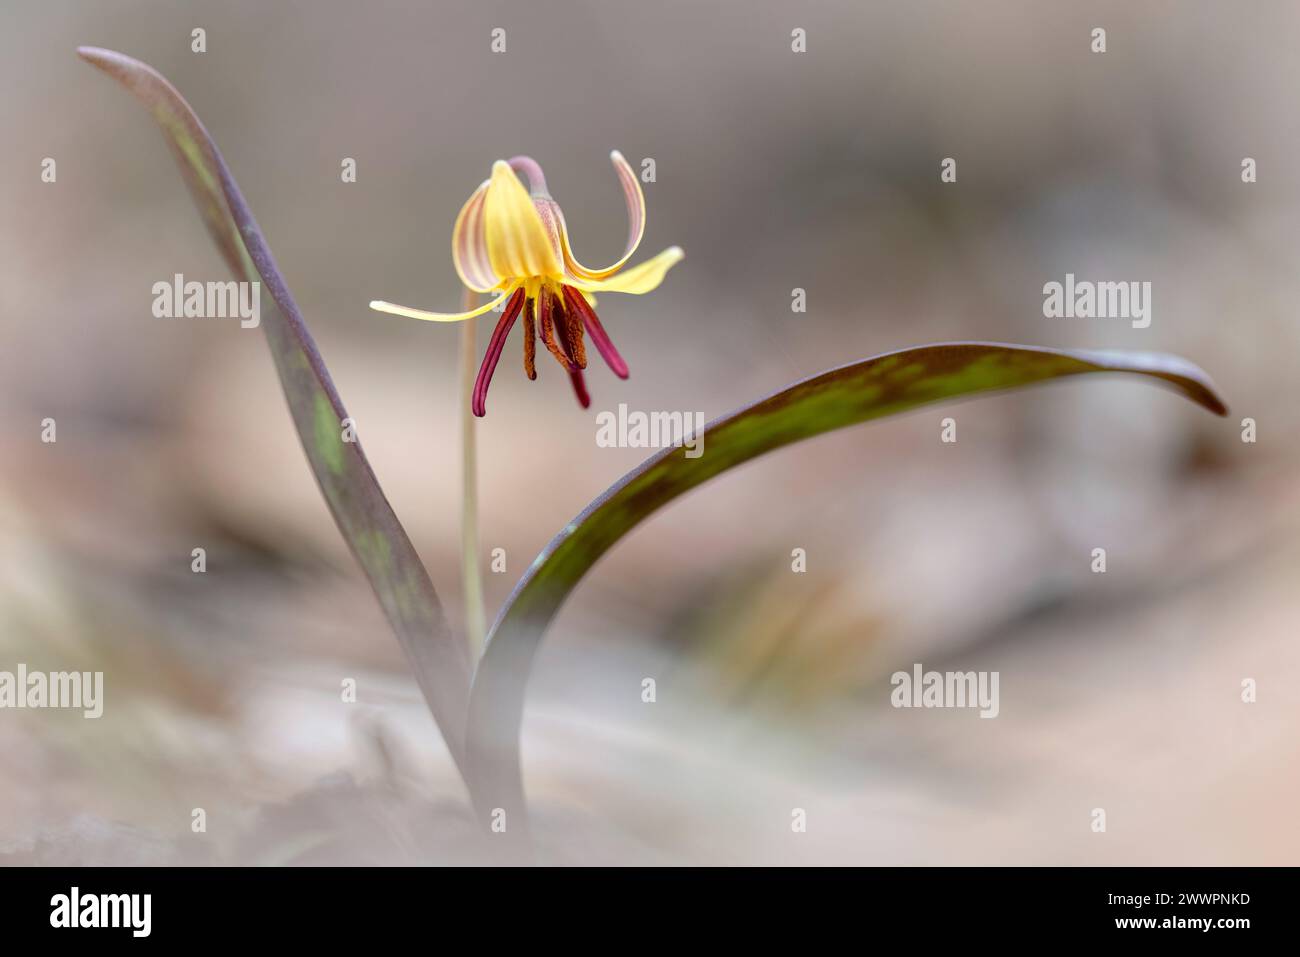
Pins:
<point x="1201" y="389"/>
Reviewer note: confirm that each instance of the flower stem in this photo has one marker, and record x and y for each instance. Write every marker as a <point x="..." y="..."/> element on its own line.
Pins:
<point x="471" y="580"/>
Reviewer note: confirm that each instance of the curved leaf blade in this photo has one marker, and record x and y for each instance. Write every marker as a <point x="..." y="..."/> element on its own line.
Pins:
<point x="859" y="392"/>
<point x="356" y="502"/>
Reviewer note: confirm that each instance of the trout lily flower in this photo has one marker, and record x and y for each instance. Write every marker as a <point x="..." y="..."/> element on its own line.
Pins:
<point x="514" y="243"/>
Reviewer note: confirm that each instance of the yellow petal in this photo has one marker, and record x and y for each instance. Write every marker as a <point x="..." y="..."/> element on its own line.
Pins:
<point x="518" y="244"/>
<point x="469" y="245"/>
<point x="635" y="200"/>
<point x="410" y="313"/>
<point x="639" y="279"/>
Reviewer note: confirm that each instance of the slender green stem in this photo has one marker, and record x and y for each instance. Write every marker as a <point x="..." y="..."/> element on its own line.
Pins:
<point x="471" y="579"/>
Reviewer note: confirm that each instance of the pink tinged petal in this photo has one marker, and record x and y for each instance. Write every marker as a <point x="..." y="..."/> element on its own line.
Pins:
<point x="493" y="355"/>
<point x="599" y="337"/>
<point x="531" y="170"/>
<point x="548" y="211"/>
<point x="547" y="208"/>
<point x="469" y="251"/>
<point x="635" y="201"/>
<point x="519" y="246"/>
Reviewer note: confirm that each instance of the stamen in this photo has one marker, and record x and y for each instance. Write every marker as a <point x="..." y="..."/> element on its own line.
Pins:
<point x="530" y="338"/>
<point x="578" y="304"/>
<point x="573" y="338"/>
<point x="562" y="329"/>
<point x="479" y="400"/>
<point x="548" y="328"/>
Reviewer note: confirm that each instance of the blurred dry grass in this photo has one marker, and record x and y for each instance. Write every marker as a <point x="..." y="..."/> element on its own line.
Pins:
<point x="774" y="171"/>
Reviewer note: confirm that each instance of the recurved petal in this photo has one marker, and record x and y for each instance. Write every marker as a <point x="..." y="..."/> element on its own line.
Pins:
<point x="531" y="170"/>
<point x="639" y="279"/>
<point x="469" y="251"/>
<point x="635" y="200"/>
<point x="409" y="313"/>
<point x="518" y="244"/>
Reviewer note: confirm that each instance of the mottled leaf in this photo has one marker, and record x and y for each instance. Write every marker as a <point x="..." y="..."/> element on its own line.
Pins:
<point x="870" y="389"/>
<point x="362" y="513"/>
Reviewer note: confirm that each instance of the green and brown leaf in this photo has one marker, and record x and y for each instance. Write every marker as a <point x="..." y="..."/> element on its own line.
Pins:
<point x="357" y="503"/>
<point x="859" y="392"/>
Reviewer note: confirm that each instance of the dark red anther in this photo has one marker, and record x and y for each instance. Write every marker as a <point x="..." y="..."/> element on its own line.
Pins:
<point x="549" y="305"/>
<point x="530" y="338"/>
<point x="575" y="373"/>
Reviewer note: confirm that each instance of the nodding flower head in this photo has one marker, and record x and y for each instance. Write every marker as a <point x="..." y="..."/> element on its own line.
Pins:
<point x="514" y="243"/>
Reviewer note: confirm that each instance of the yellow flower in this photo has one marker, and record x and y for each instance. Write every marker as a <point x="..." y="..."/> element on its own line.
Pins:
<point x="515" y="244"/>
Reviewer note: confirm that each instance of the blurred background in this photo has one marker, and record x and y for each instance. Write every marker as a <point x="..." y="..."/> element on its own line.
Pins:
<point x="775" y="170"/>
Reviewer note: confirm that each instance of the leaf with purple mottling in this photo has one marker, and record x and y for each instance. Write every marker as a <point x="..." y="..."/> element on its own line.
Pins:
<point x="858" y="392"/>
<point x="355" y="500"/>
